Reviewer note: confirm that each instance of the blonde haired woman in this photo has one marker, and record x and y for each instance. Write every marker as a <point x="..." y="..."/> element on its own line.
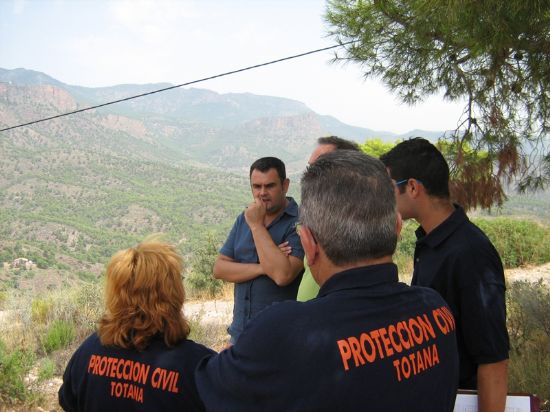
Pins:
<point x="140" y="357"/>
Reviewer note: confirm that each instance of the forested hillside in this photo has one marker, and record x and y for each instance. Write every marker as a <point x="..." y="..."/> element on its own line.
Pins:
<point x="76" y="189"/>
<point x="219" y="130"/>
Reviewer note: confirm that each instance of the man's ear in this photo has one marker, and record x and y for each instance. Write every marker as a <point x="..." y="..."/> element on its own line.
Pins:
<point x="414" y="188"/>
<point x="286" y="183"/>
<point x="311" y="248"/>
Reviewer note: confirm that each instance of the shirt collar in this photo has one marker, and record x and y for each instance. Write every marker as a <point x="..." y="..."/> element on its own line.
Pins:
<point x="360" y="277"/>
<point x="291" y="209"/>
<point x="444" y="229"/>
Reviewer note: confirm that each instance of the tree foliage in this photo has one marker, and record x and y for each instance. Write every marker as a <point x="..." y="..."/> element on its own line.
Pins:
<point x="376" y="147"/>
<point x="493" y="54"/>
<point x="200" y="276"/>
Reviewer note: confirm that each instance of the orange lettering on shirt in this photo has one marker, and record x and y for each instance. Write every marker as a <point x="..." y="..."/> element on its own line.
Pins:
<point x="345" y="352"/>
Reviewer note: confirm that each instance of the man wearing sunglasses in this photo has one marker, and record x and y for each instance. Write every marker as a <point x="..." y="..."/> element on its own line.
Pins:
<point x="454" y="257"/>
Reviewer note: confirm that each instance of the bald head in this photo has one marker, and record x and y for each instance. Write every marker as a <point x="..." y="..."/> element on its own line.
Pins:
<point x="329" y="144"/>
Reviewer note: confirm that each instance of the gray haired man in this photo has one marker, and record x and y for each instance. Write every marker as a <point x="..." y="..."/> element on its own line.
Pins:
<point x="367" y="341"/>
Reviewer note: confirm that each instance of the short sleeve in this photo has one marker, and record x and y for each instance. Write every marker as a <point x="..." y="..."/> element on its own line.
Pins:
<point x="483" y="312"/>
<point x="228" y="248"/>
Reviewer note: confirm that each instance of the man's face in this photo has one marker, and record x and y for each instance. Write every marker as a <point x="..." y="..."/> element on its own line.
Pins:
<point x="319" y="151"/>
<point x="268" y="188"/>
<point x="402" y="199"/>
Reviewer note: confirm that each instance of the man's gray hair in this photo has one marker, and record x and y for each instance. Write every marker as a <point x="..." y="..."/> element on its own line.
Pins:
<point x="348" y="203"/>
<point x="338" y="143"/>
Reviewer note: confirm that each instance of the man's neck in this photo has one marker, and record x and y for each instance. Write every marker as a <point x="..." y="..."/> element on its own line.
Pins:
<point x="434" y="212"/>
<point x="327" y="269"/>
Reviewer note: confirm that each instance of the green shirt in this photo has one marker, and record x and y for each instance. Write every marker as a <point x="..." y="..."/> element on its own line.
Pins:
<point x="308" y="288"/>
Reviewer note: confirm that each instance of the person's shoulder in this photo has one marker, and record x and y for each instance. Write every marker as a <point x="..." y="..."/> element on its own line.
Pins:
<point x="184" y="354"/>
<point x="467" y="243"/>
<point x="471" y="234"/>
<point x="91" y="342"/>
<point x="240" y="217"/>
<point x="427" y="295"/>
<point x="196" y="348"/>
<point x="274" y="324"/>
<point x="471" y="244"/>
<point x="279" y="312"/>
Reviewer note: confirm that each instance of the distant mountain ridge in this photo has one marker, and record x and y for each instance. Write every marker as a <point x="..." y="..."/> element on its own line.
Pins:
<point x="76" y="189"/>
<point x="224" y="112"/>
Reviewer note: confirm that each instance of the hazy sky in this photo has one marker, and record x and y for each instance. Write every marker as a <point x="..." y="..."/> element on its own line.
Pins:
<point x="103" y="43"/>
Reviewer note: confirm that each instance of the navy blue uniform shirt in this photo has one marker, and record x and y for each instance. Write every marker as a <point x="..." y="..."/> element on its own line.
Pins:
<point x="252" y="296"/>
<point x="367" y="342"/>
<point x="460" y="262"/>
<point x="100" y="378"/>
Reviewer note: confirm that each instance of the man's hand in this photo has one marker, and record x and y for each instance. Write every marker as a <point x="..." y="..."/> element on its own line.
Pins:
<point x="255" y="213"/>
<point x="285" y="248"/>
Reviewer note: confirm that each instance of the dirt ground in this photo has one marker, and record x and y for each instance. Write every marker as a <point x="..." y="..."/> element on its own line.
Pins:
<point x="531" y="274"/>
<point x="220" y="311"/>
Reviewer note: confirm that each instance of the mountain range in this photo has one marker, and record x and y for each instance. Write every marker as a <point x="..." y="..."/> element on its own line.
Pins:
<point x="75" y="189"/>
<point x="219" y="130"/>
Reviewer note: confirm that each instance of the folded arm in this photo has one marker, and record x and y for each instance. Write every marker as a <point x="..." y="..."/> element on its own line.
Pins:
<point x="227" y="269"/>
<point x="282" y="269"/>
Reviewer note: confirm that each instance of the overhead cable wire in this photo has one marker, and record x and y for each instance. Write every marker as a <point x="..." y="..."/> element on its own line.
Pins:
<point x="178" y="85"/>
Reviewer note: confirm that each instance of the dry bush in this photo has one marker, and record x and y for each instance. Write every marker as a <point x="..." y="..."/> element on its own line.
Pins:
<point x="54" y="322"/>
<point x="528" y="307"/>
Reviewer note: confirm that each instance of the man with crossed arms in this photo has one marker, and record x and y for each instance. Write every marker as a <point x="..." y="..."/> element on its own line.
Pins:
<point x="250" y="257"/>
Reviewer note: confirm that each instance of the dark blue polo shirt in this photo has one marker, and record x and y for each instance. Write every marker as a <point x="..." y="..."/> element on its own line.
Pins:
<point x="460" y="262"/>
<point x="159" y="378"/>
<point x="254" y="295"/>
<point x="367" y="342"/>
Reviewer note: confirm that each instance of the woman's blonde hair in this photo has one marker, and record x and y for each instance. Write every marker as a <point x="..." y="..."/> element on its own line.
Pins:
<point x="144" y="297"/>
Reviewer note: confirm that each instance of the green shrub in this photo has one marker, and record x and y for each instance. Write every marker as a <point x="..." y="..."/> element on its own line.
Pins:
<point x="528" y="306"/>
<point x="14" y="367"/>
<point x="519" y="242"/>
<point x="87" y="308"/>
<point x="404" y="253"/>
<point x="200" y="278"/>
<point x="40" y="309"/>
<point x="47" y="370"/>
<point x="3" y="298"/>
<point x="60" y="334"/>
<point x="529" y="370"/>
<point x="86" y="276"/>
<point x="203" y="285"/>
